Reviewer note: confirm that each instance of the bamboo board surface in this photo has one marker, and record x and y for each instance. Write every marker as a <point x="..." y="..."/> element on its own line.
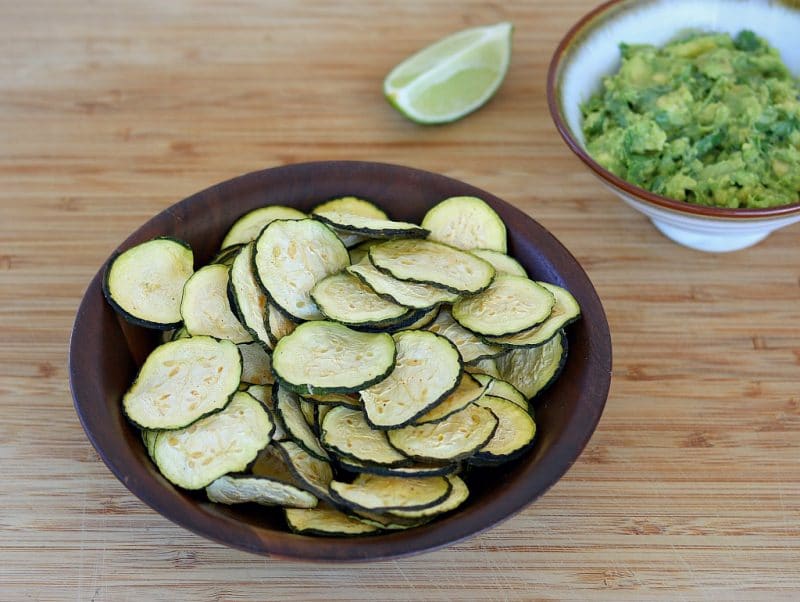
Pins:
<point x="112" y="111"/>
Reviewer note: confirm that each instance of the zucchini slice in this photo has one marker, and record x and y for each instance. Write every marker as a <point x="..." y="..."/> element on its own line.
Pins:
<point x="410" y="294"/>
<point x="486" y="366"/>
<point x="278" y="325"/>
<point x="291" y="418"/>
<point x="428" y="262"/>
<point x="248" y="301"/>
<point x="369" y="226"/>
<point x="351" y="205"/>
<point x="224" y="442"/>
<point x="206" y="309"/>
<point x="335" y="399"/>
<point x="344" y="298"/>
<point x="515" y="432"/>
<point x="145" y="283"/>
<point x="271" y="463"/>
<point x="227" y="256"/>
<point x="469" y="345"/>
<point x="427" y="370"/>
<point x="256" y="364"/>
<point x="263" y="394"/>
<point x="565" y="311"/>
<point x="182" y="381"/>
<point x="359" y="252"/>
<point x="379" y="494"/>
<point x="425" y="317"/>
<point x="509" y="305"/>
<point x="242" y="489"/>
<point x="457" y="437"/>
<point x="412" y="470"/>
<point x="466" y="222"/>
<point x="250" y="225"/>
<point x="314" y="474"/>
<point x="149" y="439"/>
<point x="326" y="521"/>
<point x="346" y="433"/>
<point x="503" y="264"/>
<point x="501" y="388"/>
<point x="533" y="369"/>
<point x="467" y="391"/>
<point x="291" y="257"/>
<point x="325" y="357"/>
<point x="458" y="495"/>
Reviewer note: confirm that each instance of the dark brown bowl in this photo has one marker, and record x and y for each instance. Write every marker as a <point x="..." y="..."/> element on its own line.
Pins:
<point x="105" y="353"/>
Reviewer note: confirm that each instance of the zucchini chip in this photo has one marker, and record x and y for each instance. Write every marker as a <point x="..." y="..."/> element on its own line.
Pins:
<point x="242" y="489"/>
<point x="412" y="470"/>
<point x="359" y="252"/>
<point x="278" y="325"/>
<point x="291" y="257"/>
<point x="248" y="301"/>
<point x="503" y="264"/>
<point x="428" y="262"/>
<point x="344" y="298"/>
<point x="501" y="388"/>
<point x="149" y="439"/>
<point x="264" y="394"/>
<point x="314" y="474"/>
<point x="427" y="370"/>
<point x="182" y="381"/>
<point x="425" y="318"/>
<point x="250" y="225"/>
<point x="509" y="305"/>
<point x="271" y="463"/>
<point x="145" y="283"/>
<point x="410" y="294"/>
<point x="466" y="222"/>
<point x="351" y="205"/>
<point x="325" y="357"/>
<point x="514" y="434"/>
<point x="457" y="437"/>
<point x="486" y="366"/>
<point x="256" y="364"/>
<point x="458" y="495"/>
<point x="326" y="521"/>
<point x="565" y="311"/>
<point x="533" y="369"/>
<point x="469" y="345"/>
<point x="206" y="309"/>
<point x="369" y="226"/>
<point x="291" y="418"/>
<point x="467" y="391"/>
<point x="215" y="445"/>
<point x="378" y="494"/>
<point x="335" y="399"/>
<point x="346" y="433"/>
<point x="226" y="256"/>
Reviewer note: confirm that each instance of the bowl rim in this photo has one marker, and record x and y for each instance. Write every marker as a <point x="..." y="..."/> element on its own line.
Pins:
<point x="279" y="544"/>
<point x="591" y="20"/>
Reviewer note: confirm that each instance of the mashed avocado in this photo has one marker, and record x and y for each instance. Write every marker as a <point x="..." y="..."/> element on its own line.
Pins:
<point x="709" y="119"/>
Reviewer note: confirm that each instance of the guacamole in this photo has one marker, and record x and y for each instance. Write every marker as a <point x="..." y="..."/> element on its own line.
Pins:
<point x="708" y="119"/>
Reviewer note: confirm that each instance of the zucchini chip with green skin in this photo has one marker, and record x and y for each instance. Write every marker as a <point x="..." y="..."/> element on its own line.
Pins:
<point x="359" y="252"/>
<point x="427" y="370"/>
<point x="291" y="257"/>
<point x="369" y="226"/>
<point x="256" y="364"/>
<point x="291" y="418"/>
<point x="532" y="369"/>
<point x="374" y="493"/>
<point x="327" y="522"/>
<point x="278" y="325"/>
<point x="469" y="345"/>
<point x="149" y="439"/>
<point x="248" y="301"/>
<point x="325" y="357"/>
<point x="425" y="318"/>
<point x="335" y="399"/>
<point x="227" y="256"/>
<point x="345" y="299"/>
<point x="503" y="264"/>
<point x="243" y="489"/>
<point x="515" y="432"/>
<point x="263" y="394"/>
<point x="429" y="262"/>
<point x="271" y="463"/>
<point x="351" y="205"/>
<point x="501" y="388"/>
<point x="227" y="441"/>
<point x="145" y="283"/>
<point x="466" y="222"/>
<point x="182" y="381"/>
<point x="457" y="437"/>
<point x="250" y="225"/>
<point x="412" y="470"/>
<point x="565" y="311"/>
<point x="314" y="474"/>
<point x="458" y="495"/>
<point x="206" y="309"/>
<point x="509" y="305"/>
<point x="347" y="434"/>
<point x="486" y="366"/>
<point x="467" y="391"/>
<point x="410" y="294"/>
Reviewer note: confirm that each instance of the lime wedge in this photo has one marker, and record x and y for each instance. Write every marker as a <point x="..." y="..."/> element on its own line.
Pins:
<point x="453" y="76"/>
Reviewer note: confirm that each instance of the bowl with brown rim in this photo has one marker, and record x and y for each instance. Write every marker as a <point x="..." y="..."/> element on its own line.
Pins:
<point x="590" y="51"/>
<point x="105" y="353"/>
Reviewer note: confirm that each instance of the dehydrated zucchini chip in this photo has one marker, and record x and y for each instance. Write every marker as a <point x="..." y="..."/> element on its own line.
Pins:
<point x="315" y="475"/>
<point x="263" y="394"/>
<point x="369" y="226"/>
<point x="352" y="205"/>
<point x="250" y="225"/>
<point x="458" y="495"/>
<point x="410" y="294"/>
<point x="427" y="369"/>
<point x="242" y="489"/>
<point x="145" y="283"/>
<point x="256" y="364"/>
<point x="335" y="399"/>
<point x="325" y="357"/>
<point x="226" y="256"/>
<point x="206" y="309"/>
<point x="502" y="388"/>
<point x="344" y="298"/>
<point x="224" y="442"/>
<point x="428" y="262"/>
<point x="467" y="391"/>
<point x="182" y="381"/>
<point x="533" y="369"/>
<point x="326" y="521"/>
<point x="248" y="301"/>
<point x="503" y="264"/>
<point x="278" y="324"/>
<point x="466" y="222"/>
<point x="379" y="494"/>
<point x="470" y="346"/>
<point x="514" y="434"/>
<point x="485" y="366"/>
<point x="347" y="434"/>
<point x="412" y="470"/>
<point x="291" y="257"/>
<point x="509" y="305"/>
<point x="457" y="437"/>
<point x="290" y="416"/>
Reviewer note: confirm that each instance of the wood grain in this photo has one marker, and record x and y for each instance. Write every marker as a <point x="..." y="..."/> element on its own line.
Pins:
<point x="110" y="112"/>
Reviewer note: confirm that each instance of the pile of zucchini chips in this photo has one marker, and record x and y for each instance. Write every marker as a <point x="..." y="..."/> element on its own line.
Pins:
<point x="344" y="366"/>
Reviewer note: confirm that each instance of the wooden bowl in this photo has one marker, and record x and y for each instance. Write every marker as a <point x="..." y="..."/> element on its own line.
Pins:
<point x="105" y="353"/>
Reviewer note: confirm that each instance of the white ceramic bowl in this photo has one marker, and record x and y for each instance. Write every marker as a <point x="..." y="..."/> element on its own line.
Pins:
<point x="590" y="51"/>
